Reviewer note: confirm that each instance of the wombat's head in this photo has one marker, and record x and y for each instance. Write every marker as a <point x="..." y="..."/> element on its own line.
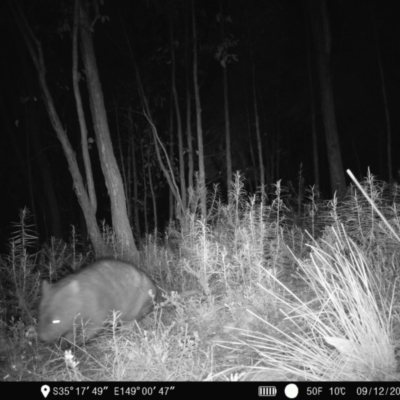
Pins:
<point x="58" y="307"/>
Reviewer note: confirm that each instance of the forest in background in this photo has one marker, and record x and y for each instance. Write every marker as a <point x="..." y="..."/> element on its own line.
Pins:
<point x="259" y="107"/>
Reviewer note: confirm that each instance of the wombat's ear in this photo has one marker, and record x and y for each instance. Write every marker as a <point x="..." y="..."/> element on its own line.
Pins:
<point x="73" y="287"/>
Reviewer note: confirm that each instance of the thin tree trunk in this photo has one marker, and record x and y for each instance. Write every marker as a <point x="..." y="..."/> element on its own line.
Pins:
<point x="319" y="18"/>
<point x="146" y="224"/>
<point x="134" y="165"/>
<point x="108" y="162"/>
<point x="258" y="133"/>
<point x="253" y="159"/>
<point x="313" y="112"/>
<point x="31" y="180"/>
<point x="256" y="116"/>
<point x="277" y="153"/>
<point x="224" y="64"/>
<point x="171" y="155"/>
<point x="153" y="196"/>
<point x="201" y="179"/>
<point x="135" y="176"/>
<point x="129" y="168"/>
<point x="269" y="141"/>
<point x="128" y="184"/>
<point x="125" y="181"/>
<point x="81" y="114"/>
<point x="188" y="103"/>
<point x="189" y="137"/>
<point x="178" y="118"/>
<point x="227" y="134"/>
<point x="249" y="135"/>
<point x="385" y="100"/>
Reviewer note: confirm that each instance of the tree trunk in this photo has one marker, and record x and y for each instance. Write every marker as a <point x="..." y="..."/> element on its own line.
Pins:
<point x="249" y="135"/>
<point x="256" y="116"/>
<point x="30" y="183"/>
<point x="178" y="120"/>
<point x="321" y="29"/>
<point x="188" y="103"/>
<point x="201" y="179"/>
<point x="313" y="113"/>
<point x="153" y="195"/>
<point x="385" y="101"/>
<point x="135" y="175"/>
<point x="125" y="180"/>
<point x="146" y="224"/>
<point x="171" y="156"/>
<point x="227" y="134"/>
<point x="224" y="62"/>
<point x="189" y="137"/>
<point x="108" y="162"/>
<point x="258" y="133"/>
<point x="80" y="112"/>
<point x="129" y="168"/>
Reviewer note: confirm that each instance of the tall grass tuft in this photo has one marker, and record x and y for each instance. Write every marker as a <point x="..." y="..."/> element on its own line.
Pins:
<point x="20" y="283"/>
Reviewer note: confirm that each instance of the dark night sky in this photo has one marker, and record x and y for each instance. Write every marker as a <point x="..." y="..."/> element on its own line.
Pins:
<point x="276" y="31"/>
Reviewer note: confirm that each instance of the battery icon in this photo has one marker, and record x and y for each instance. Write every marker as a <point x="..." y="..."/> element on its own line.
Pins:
<point x="266" y="391"/>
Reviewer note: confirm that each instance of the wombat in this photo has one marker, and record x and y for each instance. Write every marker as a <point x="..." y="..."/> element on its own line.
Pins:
<point x="90" y="296"/>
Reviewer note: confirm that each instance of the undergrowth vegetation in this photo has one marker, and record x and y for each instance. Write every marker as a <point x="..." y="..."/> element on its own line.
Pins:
<point x="265" y="288"/>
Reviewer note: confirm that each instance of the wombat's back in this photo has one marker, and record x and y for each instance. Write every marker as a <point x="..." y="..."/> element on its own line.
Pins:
<point x="92" y="294"/>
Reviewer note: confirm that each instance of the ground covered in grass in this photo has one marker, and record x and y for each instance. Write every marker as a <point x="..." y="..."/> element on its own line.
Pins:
<point x="268" y="289"/>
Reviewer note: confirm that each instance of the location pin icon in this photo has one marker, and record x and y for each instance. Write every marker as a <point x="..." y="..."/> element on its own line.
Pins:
<point x="45" y="390"/>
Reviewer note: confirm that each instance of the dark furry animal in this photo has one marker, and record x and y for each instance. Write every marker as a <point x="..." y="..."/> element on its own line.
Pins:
<point x="90" y="296"/>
